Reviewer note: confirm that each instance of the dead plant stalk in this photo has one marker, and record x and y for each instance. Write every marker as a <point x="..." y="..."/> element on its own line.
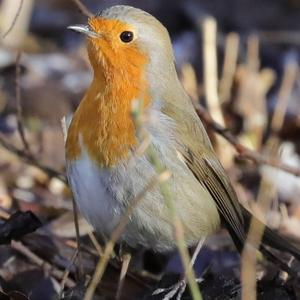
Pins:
<point x="267" y="189"/>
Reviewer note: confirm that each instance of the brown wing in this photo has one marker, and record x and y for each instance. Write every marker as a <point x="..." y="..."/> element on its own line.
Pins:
<point x="211" y="175"/>
<point x="195" y="147"/>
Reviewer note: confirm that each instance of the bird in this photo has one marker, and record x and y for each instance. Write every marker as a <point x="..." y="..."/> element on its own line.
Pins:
<point x="131" y="55"/>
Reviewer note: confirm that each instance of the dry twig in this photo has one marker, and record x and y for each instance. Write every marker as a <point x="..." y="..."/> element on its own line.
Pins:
<point x="229" y="66"/>
<point x="178" y="230"/>
<point x="18" y="104"/>
<point x="66" y="274"/>
<point x="267" y="189"/>
<point x="210" y="69"/>
<point x="243" y="151"/>
<point x="177" y="227"/>
<point x="14" y="20"/>
<point x="124" y="269"/>
<point x="76" y="223"/>
<point x="256" y="230"/>
<point x="253" y="61"/>
<point x="31" y="160"/>
<point x="103" y="261"/>
<point x="95" y="243"/>
<point x="288" y="82"/>
<point x="75" y="212"/>
<point x="58" y="274"/>
<point x="82" y="8"/>
<point x="280" y="37"/>
<point x="209" y="29"/>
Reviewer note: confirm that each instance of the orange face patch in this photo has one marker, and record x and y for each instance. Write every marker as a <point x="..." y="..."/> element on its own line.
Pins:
<point x="103" y="122"/>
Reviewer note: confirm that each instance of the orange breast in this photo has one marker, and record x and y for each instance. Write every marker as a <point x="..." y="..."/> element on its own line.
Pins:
<point x="102" y="123"/>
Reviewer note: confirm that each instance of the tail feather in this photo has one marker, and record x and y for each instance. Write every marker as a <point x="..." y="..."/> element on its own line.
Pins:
<point x="274" y="240"/>
<point x="282" y="265"/>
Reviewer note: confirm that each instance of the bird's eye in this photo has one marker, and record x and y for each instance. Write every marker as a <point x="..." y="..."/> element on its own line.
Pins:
<point x="126" y="36"/>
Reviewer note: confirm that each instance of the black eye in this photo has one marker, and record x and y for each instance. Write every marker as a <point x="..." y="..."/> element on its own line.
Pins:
<point x="126" y="36"/>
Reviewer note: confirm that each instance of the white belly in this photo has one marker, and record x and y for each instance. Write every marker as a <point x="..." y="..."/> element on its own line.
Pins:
<point x="103" y="195"/>
<point x="92" y="194"/>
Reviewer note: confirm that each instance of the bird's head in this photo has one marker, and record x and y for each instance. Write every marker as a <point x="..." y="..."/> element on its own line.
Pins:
<point x="127" y="41"/>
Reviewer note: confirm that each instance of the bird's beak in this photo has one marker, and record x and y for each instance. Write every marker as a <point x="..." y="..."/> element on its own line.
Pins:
<point x="85" y="29"/>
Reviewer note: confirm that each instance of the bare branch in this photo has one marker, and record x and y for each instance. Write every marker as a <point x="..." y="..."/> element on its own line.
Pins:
<point x="31" y="160"/>
<point x="209" y="29"/>
<point x="76" y="223"/>
<point x="256" y="230"/>
<point x="103" y="261"/>
<point x="229" y="66"/>
<point x="18" y="104"/>
<point x="58" y="274"/>
<point x="243" y="151"/>
<point x="288" y="82"/>
<point x="14" y="20"/>
<point x="178" y="230"/>
<point x="66" y="274"/>
<point x="82" y="8"/>
<point x="267" y="190"/>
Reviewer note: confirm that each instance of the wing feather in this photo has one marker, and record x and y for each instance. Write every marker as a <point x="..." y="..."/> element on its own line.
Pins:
<point x="195" y="147"/>
<point x="211" y="175"/>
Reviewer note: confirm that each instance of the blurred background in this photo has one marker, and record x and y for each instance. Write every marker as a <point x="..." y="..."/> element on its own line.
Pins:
<point x="255" y="93"/>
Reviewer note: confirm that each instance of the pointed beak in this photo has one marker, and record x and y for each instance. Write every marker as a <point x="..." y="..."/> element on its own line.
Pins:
<point x="85" y="29"/>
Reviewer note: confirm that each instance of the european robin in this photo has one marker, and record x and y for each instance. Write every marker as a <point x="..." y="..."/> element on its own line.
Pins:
<point x="132" y="58"/>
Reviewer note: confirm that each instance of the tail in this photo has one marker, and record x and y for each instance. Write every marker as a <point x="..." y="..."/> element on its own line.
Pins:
<point x="275" y="241"/>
